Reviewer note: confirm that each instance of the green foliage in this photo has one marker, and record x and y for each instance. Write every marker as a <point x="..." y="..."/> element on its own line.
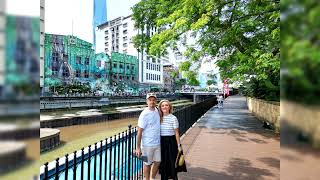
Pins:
<point x="244" y="35"/>
<point x="210" y="82"/>
<point x="300" y="59"/>
<point x="72" y="88"/>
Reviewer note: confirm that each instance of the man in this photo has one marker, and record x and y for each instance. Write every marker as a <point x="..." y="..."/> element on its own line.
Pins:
<point x="149" y="133"/>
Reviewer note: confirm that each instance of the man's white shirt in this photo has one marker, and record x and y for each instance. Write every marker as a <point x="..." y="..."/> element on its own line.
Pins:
<point x="149" y="121"/>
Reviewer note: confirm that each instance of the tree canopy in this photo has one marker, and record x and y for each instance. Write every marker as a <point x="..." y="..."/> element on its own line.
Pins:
<point x="300" y="59"/>
<point x="241" y="36"/>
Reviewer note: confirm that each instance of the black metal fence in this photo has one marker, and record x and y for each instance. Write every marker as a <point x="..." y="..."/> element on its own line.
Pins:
<point x="187" y="116"/>
<point x="112" y="158"/>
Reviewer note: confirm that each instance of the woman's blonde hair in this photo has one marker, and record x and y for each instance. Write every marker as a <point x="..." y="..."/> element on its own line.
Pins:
<point x="160" y="111"/>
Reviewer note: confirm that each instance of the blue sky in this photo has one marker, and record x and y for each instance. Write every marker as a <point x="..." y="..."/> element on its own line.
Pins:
<point x="59" y="15"/>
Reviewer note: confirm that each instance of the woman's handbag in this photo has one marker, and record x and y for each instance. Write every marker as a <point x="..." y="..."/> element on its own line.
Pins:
<point x="180" y="163"/>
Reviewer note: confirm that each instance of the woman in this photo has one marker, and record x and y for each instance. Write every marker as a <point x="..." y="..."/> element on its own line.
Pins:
<point x="170" y="140"/>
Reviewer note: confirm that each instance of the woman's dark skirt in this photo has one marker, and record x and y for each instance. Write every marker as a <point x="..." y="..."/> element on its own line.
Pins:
<point x="169" y="151"/>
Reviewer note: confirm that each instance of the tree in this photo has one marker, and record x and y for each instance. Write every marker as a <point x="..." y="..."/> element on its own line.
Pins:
<point x="300" y="58"/>
<point x="242" y="34"/>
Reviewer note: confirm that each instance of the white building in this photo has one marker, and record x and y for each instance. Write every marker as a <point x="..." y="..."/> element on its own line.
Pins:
<point x="42" y="16"/>
<point x="2" y="45"/>
<point x="118" y="34"/>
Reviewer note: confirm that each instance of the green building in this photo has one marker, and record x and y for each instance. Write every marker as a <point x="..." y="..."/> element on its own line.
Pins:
<point x="70" y="60"/>
<point x="124" y="72"/>
<point x="21" y="67"/>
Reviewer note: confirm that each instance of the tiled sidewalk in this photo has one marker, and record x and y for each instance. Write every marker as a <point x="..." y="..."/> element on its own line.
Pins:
<point x="230" y="143"/>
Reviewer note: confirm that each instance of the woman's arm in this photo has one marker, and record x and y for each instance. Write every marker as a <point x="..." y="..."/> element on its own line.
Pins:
<point x="177" y="136"/>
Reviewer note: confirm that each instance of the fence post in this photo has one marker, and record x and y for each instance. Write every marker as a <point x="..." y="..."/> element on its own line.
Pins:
<point x="118" y="156"/>
<point x="67" y="166"/>
<point x="129" y="152"/>
<point x="122" y="162"/>
<point x="46" y="171"/>
<point x="95" y="162"/>
<point x="74" y="165"/>
<point x="82" y="154"/>
<point x="110" y="153"/>
<point x="100" y="174"/>
<point x="114" y="156"/>
<point x="89" y="162"/>
<point x="57" y="169"/>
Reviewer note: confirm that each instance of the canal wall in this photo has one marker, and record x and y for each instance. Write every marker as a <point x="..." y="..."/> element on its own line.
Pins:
<point x="267" y="111"/>
<point x="305" y="119"/>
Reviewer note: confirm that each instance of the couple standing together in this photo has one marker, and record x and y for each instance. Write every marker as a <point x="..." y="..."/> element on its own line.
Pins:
<point x="158" y="129"/>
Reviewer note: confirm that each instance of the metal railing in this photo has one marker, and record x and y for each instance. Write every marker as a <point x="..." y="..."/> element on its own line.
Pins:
<point x="108" y="159"/>
<point x="112" y="158"/>
<point x="187" y="116"/>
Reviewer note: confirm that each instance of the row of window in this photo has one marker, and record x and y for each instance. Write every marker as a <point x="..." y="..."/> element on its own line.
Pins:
<point x="125" y="25"/>
<point x="153" y="77"/>
<point x="116" y="41"/>
<point x="78" y="60"/>
<point x="121" y="66"/>
<point x="153" y="67"/>
<point x="119" y="77"/>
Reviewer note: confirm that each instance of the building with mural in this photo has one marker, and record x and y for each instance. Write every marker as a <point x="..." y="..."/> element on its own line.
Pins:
<point x="69" y="60"/>
<point x="21" y="69"/>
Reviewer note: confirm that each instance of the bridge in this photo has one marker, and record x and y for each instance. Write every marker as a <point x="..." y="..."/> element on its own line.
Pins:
<point x="198" y="95"/>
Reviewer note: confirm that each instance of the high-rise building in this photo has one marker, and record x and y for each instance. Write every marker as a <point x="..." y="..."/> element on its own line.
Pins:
<point x="42" y="30"/>
<point x="118" y="36"/>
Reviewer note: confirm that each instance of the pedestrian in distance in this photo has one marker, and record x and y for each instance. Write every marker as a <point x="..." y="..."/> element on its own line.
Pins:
<point x="148" y="138"/>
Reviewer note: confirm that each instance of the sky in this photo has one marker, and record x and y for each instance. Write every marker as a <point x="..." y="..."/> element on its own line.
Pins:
<point x="59" y="15"/>
<point x="23" y="7"/>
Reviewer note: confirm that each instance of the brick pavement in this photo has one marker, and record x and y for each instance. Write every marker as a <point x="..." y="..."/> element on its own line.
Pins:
<point x="230" y="143"/>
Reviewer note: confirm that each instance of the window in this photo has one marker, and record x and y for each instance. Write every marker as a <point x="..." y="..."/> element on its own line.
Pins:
<point x="78" y="73"/>
<point x="114" y="65"/>
<point x="107" y="44"/>
<point x="106" y="31"/>
<point x="65" y="72"/>
<point x="120" y="77"/>
<point x="125" y="25"/>
<point x="132" y="78"/>
<point x="128" y="67"/>
<point x="127" y="77"/>
<point x="121" y="66"/>
<point x="99" y="63"/>
<point x="125" y="44"/>
<point x="132" y="68"/>
<point x="98" y="75"/>
<point x="86" y="74"/>
<point x="125" y="31"/>
<point x="125" y="38"/>
<point x="87" y="61"/>
<point x="125" y="51"/>
<point x="106" y="38"/>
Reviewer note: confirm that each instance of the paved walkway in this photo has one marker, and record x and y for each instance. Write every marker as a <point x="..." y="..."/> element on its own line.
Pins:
<point x="230" y="143"/>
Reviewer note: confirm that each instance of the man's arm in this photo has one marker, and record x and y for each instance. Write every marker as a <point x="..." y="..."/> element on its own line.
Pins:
<point x="139" y="135"/>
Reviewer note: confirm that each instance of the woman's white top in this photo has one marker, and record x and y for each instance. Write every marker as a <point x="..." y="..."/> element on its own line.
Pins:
<point x="169" y="124"/>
